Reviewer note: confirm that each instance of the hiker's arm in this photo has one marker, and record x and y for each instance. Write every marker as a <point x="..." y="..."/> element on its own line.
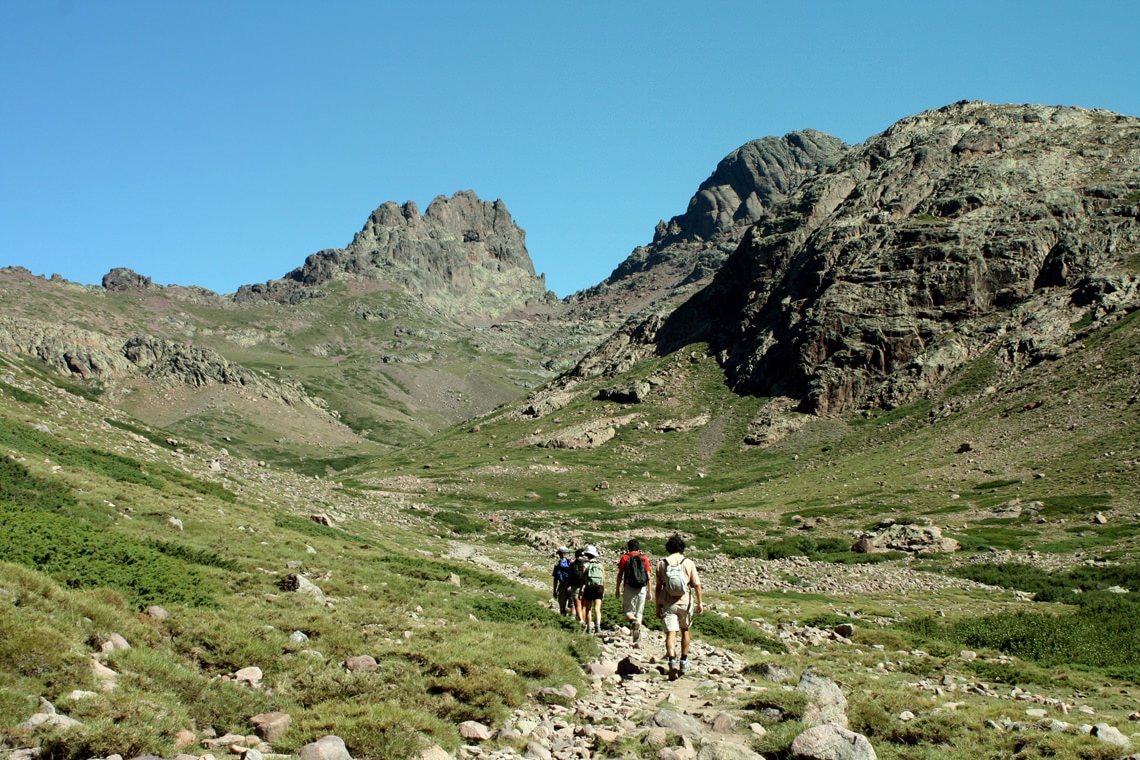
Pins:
<point x="699" y="598"/>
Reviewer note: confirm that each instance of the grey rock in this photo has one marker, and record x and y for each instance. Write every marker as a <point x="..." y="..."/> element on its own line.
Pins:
<point x="775" y="672"/>
<point x="123" y="280"/>
<point x="1111" y="735"/>
<point x="361" y="663"/>
<point x="829" y="742"/>
<point x="271" y="726"/>
<point x="250" y="676"/>
<point x="434" y="752"/>
<point x="682" y="725"/>
<point x="827" y="703"/>
<point x="474" y="730"/>
<point x="536" y="751"/>
<point x="725" y="750"/>
<point x="302" y="585"/>
<point x="326" y="748"/>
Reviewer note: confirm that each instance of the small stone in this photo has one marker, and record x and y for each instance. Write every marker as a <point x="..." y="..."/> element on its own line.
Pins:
<point x="250" y="676"/>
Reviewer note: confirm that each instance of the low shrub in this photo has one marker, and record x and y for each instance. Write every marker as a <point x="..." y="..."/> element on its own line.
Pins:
<point x="732" y="631"/>
<point x="1096" y="637"/>
<point x="21" y="395"/>
<point x="79" y="555"/>
<point x="104" y="737"/>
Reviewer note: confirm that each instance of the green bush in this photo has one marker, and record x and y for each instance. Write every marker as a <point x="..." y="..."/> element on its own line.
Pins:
<point x="79" y="555"/>
<point x="105" y="736"/>
<point x="1102" y="637"/>
<point x="492" y="609"/>
<point x="733" y="631"/>
<point x="21" y="395"/>
<point x="459" y="523"/>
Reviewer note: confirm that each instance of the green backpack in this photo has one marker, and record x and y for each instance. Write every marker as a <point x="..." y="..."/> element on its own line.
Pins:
<point x="594" y="575"/>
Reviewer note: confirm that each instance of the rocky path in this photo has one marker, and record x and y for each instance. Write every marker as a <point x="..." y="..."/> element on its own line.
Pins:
<point x="631" y="699"/>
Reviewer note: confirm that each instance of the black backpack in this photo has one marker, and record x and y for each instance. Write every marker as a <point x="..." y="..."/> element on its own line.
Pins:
<point x="635" y="573"/>
<point x="576" y="574"/>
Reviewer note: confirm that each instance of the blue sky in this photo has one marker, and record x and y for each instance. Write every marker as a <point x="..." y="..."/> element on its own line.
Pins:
<point x="220" y="142"/>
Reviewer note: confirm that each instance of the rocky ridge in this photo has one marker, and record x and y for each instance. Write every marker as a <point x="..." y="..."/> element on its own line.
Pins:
<point x="105" y="358"/>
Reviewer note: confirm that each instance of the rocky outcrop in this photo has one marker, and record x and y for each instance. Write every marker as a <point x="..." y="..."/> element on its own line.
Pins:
<point x="463" y="256"/>
<point x="97" y="356"/>
<point x="970" y="230"/>
<point x="690" y="248"/>
<point x="904" y="537"/>
<point x="123" y="280"/>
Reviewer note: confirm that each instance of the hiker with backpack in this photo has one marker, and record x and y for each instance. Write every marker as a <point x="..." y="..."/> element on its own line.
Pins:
<point x="562" y="590"/>
<point x="678" y="596"/>
<point x="593" y="589"/>
<point x="577" y="581"/>
<point x="633" y="586"/>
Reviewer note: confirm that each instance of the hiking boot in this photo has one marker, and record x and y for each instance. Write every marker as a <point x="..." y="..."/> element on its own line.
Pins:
<point x="635" y="631"/>
<point x="684" y="666"/>
<point x="672" y="669"/>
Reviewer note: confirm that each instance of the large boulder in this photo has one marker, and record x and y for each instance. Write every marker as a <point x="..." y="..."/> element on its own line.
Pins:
<point x="829" y="742"/>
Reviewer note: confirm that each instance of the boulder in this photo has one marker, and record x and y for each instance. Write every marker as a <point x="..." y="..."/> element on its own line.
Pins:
<point x="675" y="722"/>
<point x="361" y="663"/>
<point x="474" y="731"/>
<point x="829" y="742"/>
<point x="271" y="726"/>
<point x="827" y="704"/>
<point x="250" y="676"/>
<point x="326" y="748"/>
<point x="302" y="585"/>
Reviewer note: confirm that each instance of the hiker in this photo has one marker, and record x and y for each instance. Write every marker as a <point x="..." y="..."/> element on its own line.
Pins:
<point x="577" y="579"/>
<point x="562" y="590"/>
<point x="593" y="589"/>
<point x="633" y="586"/>
<point x="678" y="595"/>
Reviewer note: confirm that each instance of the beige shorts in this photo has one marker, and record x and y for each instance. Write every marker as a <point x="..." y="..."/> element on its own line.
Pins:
<point x="677" y="617"/>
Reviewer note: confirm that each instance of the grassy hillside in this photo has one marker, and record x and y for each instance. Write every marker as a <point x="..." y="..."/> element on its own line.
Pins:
<point x="1043" y="501"/>
<point x="87" y="502"/>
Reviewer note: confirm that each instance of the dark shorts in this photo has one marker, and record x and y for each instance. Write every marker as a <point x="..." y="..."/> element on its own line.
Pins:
<point x="590" y="593"/>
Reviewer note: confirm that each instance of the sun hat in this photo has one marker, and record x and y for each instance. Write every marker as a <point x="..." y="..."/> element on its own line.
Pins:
<point x="563" y="549"/>
<point x="590" y="551"/>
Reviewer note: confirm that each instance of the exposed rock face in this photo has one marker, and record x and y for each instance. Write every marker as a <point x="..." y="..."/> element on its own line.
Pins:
<point x="689" y="249"/>
<point x="955" y="233"/>
<point x="98" y="356"/>
<point x="125" y="280"/>
<point x="463" y="256"/>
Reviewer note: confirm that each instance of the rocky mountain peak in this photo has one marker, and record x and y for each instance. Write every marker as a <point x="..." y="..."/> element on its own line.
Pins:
<point x="972" y="230"/>
<point x="688" y="249"/>
<point x="463" y="256"/>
